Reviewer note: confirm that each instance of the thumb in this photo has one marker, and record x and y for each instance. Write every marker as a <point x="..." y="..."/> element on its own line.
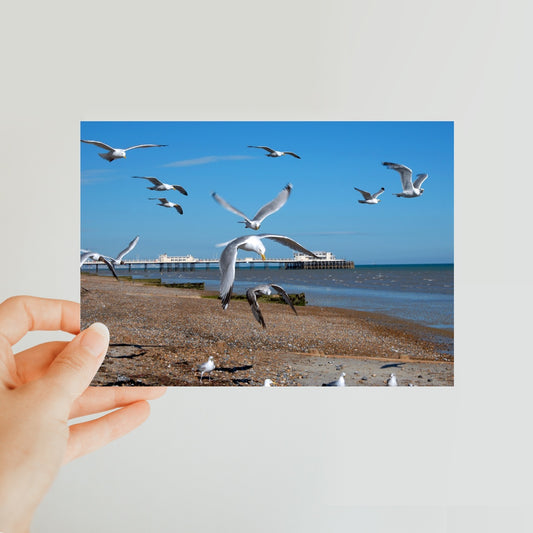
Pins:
<point x="73" y="369"/>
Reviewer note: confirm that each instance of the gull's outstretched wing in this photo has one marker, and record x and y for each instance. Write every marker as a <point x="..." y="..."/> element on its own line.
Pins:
<point x="163" y="200"/>
<point x="284" y="295"/>
<point x="98" y="257"/>
<point x="293" y="155"/>
<point x="100" y="144"/>
<point x="274" y="205"/>
<point x="381" y="191"/>
<point x="286" y="241"/>
<point x="229" y="207"/>
<point x="129" y="248"/>
<point x="144" y="146"/>
<point x="85" y="256"/>
<point x="110" y="266"/>
<point x="420" y="178"/>
<point x="155" y="181"/>
<point x="252" y="300"/>
<point x="181" y="189"/>
<point x="366" y="195"/>
<point x="226" y="265"/>
<point x="264" y="148"/>
<point x="179" y="209"/>
<point x="406" y="175"/>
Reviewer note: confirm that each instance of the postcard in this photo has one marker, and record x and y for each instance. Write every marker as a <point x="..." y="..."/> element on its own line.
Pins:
<point x="271" y="254"/>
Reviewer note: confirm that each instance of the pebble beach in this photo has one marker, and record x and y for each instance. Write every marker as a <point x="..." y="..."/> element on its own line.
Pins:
<point x="159" y="336"/>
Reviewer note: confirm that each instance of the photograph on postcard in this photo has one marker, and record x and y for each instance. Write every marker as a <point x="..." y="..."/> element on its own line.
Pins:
<point x="273" y="254"/>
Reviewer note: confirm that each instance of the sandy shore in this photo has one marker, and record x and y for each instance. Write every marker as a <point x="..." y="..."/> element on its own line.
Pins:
<point x="159" y="335"/>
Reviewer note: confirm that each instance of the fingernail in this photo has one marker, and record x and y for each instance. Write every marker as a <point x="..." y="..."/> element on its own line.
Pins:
<point x="96" y="339"/>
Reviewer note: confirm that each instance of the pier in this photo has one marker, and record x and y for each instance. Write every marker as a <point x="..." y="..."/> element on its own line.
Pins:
<point x="166" y="263"/>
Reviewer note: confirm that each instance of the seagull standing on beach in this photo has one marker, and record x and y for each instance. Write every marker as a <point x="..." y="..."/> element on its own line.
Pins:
<point x="251" y="243"/>
<point x="275" y="153"/>
<point x="410" y="189"/>
<point x="391" y="382"/>
<point x="98" y="257"/>
<point x="268" y="382"/>
<point x="160" y="186"/>
<point x="251" y="296"/>
<point x="370" y="198"/>
<point x="337" y="383"/>
<point x="163" y="202"/>
<point x="118" y="153"/>
<point x="265" y="211"/>
<point x="208" y="367"/>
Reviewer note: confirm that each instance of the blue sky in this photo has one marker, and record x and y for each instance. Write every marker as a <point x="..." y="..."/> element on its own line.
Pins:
<point x="322" y="212"/>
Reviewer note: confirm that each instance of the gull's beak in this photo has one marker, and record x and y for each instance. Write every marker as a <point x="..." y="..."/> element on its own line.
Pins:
<point x="263" y="257"/>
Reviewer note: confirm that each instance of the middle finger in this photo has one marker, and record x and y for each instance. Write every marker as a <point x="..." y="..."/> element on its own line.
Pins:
<point x="99" y="399"/>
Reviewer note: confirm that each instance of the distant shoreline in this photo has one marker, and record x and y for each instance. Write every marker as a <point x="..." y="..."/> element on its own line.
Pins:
<point x="366" y="296"/>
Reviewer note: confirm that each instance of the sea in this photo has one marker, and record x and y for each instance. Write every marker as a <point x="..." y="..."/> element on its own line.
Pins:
<point x="419" y="293"/>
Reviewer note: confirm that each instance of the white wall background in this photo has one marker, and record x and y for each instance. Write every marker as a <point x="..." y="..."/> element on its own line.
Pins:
<point x="408" y="460"/>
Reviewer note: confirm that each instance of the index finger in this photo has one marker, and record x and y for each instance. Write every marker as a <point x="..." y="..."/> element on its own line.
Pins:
<point x="20" y="314"/>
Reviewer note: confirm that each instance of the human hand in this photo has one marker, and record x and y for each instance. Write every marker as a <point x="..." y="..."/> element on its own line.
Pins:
<point x="41" y="388"/>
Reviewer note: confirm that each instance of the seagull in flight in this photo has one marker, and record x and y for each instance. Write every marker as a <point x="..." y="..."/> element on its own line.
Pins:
<point x="251" y="243"/>
<point x="410" y="189"/>
<point x="160" y="186"/>
<point x="163" y="202"/>
<point x="337" y="383"/>
<point x="118" y="153"/>
<point x="265" y="211"/>
<point x="119" y="259"/>
<point x="98" y="257"/>
<point x="251" y="296"/>
<point x="370" y="198"/>
<point x="275" y="153"/>
<point x="208" y="367"/>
